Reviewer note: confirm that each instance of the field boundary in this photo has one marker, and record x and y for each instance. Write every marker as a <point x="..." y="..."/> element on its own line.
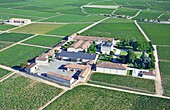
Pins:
<point x="123" y="90"/>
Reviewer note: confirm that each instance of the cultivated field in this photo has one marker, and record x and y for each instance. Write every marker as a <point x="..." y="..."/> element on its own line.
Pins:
<point x="21" y="93"/>
<point x="98" y="11"/>
<point x="13" y="37"/>
<point x="158" y="33"/>
<point x="4" y="44"/>
<point x="148" y="14"/>
<point x="165" y="74"/>
<point x="123" y="81"/>
<point x="117" y="29"/>
<point x="5" y="27"/>
<point x="18" y="54"/>
<point x="91" y="98"/>
<point x="164" y="53"/>
<point x="37" y="28"/>
<point x="68" y="29"/>
<point x="127" y="11"/>
<point x="44" y="41"/>
<point x="3" y="72"/>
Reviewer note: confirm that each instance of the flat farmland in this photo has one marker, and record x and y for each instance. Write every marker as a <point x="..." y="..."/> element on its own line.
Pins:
<point x="91" y="98"/>
<point x="4" y="44"/>
<point x="126" y="11"/>
<point x="44" y="40"/>
<point x="123" y="81"/>
<point x="145" y="14"/>
<point x="116" y="29"/>
<point x="3" y="72"/>
<point x="165" y="74"/>
<point x="6" y="16"/>
<point x="6" y="27"/>
<point x="68" y="29"/>
<point x="37" y="28"/>
<point x="18" y="54"/>
<point x="164" y="53"/>
<point x="13" y="37"/>
<point x="98" y="10"/>
<point x="158" y="33"/>
<point x="21" y="93"/>
<point x="74" y="18"/>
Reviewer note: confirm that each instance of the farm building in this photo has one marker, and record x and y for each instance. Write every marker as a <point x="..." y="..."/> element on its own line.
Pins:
<point x="19" y="21"/>
<point x="42" y="60"/>
<point x="79" y="45"/>
<point x="77" y="56"/>
<point x="60" y="78"/>
<point x="98" y="40"/>
<point x="85" y="70"/>
<point x="31" y="68"/>
<point x="107" y="47"/>
<point x="111" y="68"/>
<point x="143" y="73"/>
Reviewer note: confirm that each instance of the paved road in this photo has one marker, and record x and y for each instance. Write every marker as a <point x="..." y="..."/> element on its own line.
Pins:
<point x="158" y="82"/>
<point x="123" y="90"/>
<point x="81" y="31"/>
<point x="146" y="37"/>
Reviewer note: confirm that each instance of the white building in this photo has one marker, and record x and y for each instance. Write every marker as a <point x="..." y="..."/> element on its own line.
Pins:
<point x="111" y="68"/>
<point x="143" y="74"/>
<point x="60" y="78"/>
<point x="42" y="60"/>
<point x="31" y="68"/>
<point x="19" y="21"/>
<point x="107" y="47"/>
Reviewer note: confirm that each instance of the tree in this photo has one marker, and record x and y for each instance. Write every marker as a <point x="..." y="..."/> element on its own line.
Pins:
<point x="143" y="65"/>
<point x="131" y="56"/>
<point x="143" y="46"/>
<point x="111" y="53"/>
<point x="24" y="65"/>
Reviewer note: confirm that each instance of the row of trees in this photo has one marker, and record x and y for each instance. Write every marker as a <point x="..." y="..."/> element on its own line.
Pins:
<point x="146" y="61"/>
<point x="135" y="45"/>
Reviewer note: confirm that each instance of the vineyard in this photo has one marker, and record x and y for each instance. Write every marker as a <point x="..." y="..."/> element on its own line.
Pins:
<point x="91" y="98"/>
<point x="21" y="93"/>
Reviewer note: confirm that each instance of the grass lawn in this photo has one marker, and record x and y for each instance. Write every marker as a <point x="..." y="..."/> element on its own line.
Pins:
<point x="158" y="33"/>
<point x="126" y="11"/>
<point x="5" y="27"/>
<point x="164" y="53"/>
<point x="115" y="30"/>
<point x="21" y="93"/>
<point x="13" y="37"/>
<point x="126" y="81"/>
<point x="4" y="44"/>
<point x="37" y="28"/>
<point x="92" y="98"/>
<point x="123" y="52"/>
<point x="165" y="74"/>
<point x="15" y="55"/>
<point x="68" y="29"/>
<point x="3" y="72"/>
<point x="44" y="40"/>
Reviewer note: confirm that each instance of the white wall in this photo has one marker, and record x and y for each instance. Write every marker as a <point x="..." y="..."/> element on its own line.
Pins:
<point x="61" y="80"/>
<point x="111" y="71"/>
<point x="39" y="62"/>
